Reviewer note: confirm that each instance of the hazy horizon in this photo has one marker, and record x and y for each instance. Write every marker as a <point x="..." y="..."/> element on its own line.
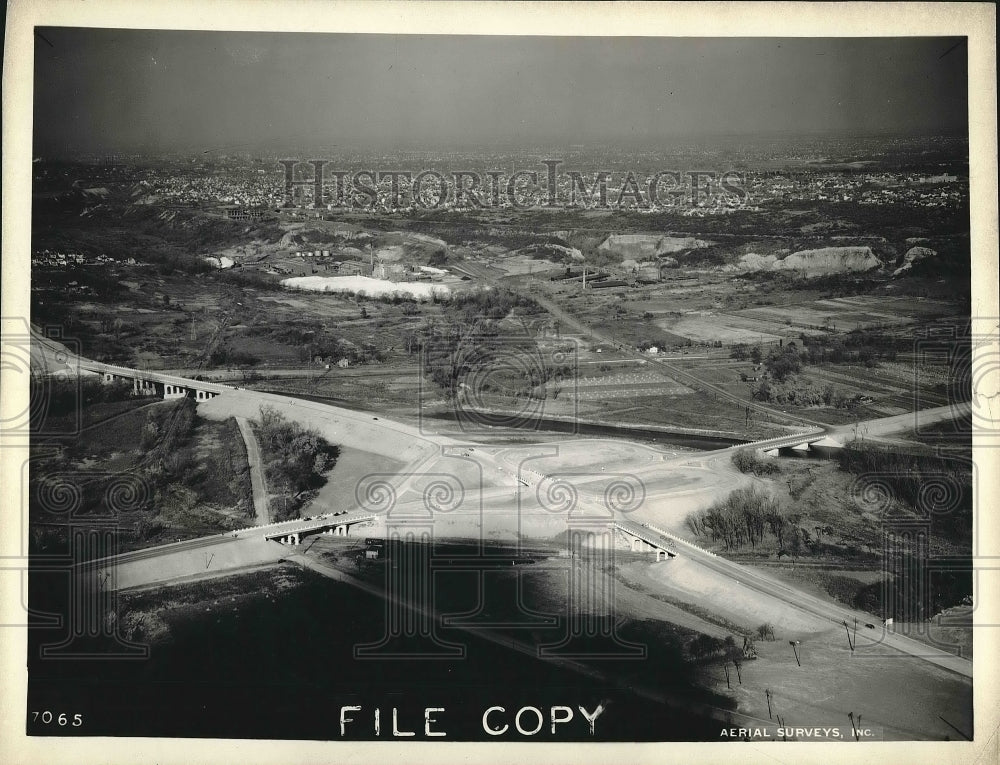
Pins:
<point x="103" y="90"/>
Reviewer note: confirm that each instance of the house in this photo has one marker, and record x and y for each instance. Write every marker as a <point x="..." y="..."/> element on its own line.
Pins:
<point x="344" y="363"/>
<point x="374" y="548"/>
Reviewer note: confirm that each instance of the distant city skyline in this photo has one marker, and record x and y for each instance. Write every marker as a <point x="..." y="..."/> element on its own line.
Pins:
<point x="102" y="90"/>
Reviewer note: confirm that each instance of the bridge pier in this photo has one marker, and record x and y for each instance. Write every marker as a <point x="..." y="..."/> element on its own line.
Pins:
<point x="292" y="532"/>
<point x="145" y="385"/>
<point x="174" y="391"/>
<point x="638" y="544"/>
<point x="141" y="387"/>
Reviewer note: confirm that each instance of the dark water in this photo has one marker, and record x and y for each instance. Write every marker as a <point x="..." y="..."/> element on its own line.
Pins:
<point x="282" y="664"/>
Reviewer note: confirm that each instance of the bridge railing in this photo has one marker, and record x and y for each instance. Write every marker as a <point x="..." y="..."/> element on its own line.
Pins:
<point x="305" y="524"/>
<point x="680" y="540"/>
<point x="796" y="438"/>
<point x="144" y="374"/>
<point x="639" y="532"/>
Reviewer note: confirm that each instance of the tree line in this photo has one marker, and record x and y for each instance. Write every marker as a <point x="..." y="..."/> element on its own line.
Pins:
<point x="295" y="459"/>
<point x="746" y="517"/>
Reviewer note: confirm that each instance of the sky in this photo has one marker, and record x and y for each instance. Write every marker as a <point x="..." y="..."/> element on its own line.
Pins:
<point x="102" y="90"/>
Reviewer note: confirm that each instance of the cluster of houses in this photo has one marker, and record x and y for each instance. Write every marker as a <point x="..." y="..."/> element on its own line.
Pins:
<point x="245" y="191"/>
<point x="64" y="259"/>
<point x="243" y="213"/>
<point x="864" y="188"/>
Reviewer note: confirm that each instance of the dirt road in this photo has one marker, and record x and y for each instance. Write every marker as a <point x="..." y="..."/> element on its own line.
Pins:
<point x="258" y="482"/>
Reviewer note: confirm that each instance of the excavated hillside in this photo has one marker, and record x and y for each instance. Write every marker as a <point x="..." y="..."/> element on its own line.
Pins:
<point x="811" y="263"/>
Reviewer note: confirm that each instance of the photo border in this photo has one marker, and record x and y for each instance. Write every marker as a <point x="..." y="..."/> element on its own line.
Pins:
<point x="977" y="21"/>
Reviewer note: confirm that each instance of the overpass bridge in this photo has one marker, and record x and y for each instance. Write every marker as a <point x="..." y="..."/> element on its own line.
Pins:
<point x="146" y="382"/>
<point x="833" y="437"/>
<point x="291" y="532"/>
<point x="799" y="442"/>
<point x="335" y="524"/>
<point x="191" y="559"/>
<point x="644" y="539"/>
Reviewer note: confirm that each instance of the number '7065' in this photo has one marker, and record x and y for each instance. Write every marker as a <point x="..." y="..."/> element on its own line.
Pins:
<point x="61" y="719"/>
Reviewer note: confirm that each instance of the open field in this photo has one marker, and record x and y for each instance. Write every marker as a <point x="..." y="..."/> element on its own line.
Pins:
<point x="784" y="321"/>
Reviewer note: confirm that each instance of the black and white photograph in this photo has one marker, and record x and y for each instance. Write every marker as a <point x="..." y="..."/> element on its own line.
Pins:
<point x="443" y="385"/>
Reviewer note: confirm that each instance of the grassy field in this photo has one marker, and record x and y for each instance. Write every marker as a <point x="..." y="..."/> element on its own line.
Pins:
<point x="696" y="327"/>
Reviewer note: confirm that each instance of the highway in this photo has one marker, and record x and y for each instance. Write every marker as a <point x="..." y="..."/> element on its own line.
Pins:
<point x="756" y="580"/>
<point x="767" y="585"/>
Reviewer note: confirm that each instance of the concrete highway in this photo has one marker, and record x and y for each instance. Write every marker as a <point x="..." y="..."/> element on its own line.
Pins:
<point x="828" y="610"/>
<point x="248" y="547"/>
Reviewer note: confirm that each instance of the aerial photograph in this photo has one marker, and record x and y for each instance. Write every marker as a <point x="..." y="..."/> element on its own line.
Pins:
<point x="499" y="388"/>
